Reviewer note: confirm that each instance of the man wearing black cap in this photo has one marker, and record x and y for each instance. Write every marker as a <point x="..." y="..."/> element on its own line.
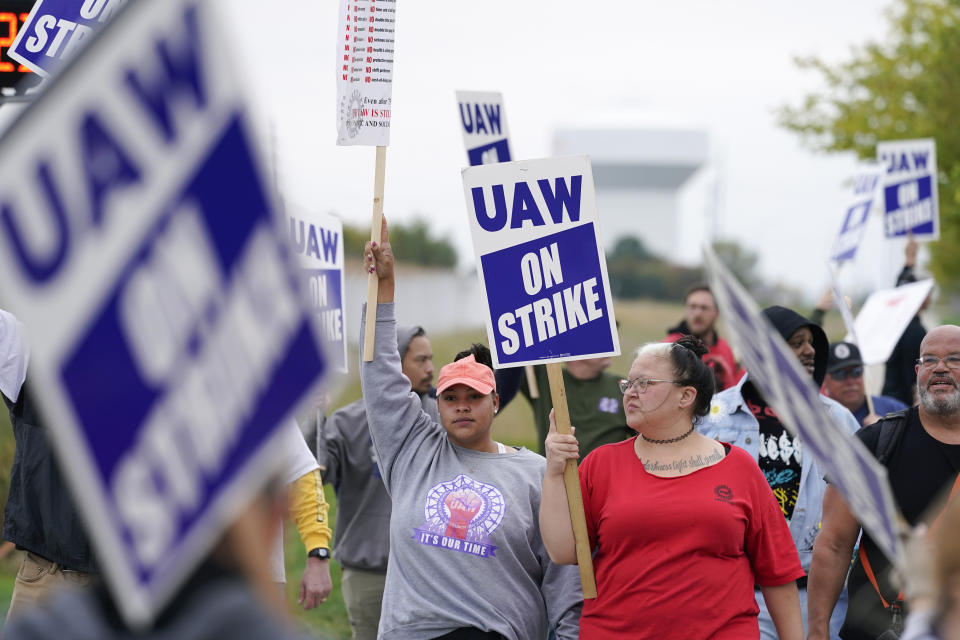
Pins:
<point x="741" y="416"/>
<point x="844" y="383"/>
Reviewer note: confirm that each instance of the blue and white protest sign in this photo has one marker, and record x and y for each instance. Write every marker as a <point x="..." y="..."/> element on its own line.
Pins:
<point x="364" y="56"/>
<point x="483" y="122"/>
<point x="540" y="261"/>
<point x="856" y="215"/>
<point x="141" y="248"/>
<point x="910" y="188"/>
<point x="790" y="390"/>
<point x="55" y="29"/>
<point x="317" y="238"/>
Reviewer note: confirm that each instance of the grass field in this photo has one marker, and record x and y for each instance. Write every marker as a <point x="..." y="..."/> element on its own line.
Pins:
<point x="640" y="322"/>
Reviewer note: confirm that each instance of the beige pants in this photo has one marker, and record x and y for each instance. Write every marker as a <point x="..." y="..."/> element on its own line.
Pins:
<point x="37" y="579"/>
<point x="363" y="595"/>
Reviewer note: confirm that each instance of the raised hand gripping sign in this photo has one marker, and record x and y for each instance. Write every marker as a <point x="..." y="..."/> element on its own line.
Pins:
<point x="789" y="389"/>
<point x="140" y="247"/>
<point x="483" y="122"/>
<point x="541" y="264"/>
<point x="910" y="200"/>
<point x="55" y="29"/>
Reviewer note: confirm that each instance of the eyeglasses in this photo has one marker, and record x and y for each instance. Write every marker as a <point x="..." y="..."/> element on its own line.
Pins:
<point x="640" y="383"/>
<point x="930" y="361"/>
<point x="849" y="372"/>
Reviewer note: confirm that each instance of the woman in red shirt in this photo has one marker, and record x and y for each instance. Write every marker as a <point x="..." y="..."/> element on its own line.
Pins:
<point x="682" y="526"/>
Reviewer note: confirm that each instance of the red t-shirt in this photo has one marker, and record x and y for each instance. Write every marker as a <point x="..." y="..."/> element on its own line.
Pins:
<point x="679" y="557"/>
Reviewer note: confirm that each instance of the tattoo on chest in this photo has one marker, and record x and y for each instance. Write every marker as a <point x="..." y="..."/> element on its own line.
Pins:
<point x="679" y="465"/>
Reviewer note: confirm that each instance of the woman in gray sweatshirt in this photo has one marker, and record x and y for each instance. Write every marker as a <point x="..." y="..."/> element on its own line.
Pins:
<point x="466" y="556"/>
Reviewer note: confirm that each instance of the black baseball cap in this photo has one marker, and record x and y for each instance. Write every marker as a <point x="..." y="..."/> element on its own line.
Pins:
<point x="843" y="355"/>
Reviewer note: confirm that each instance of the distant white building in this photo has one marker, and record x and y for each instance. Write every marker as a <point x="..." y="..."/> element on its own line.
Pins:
<point x="639" y="173"/>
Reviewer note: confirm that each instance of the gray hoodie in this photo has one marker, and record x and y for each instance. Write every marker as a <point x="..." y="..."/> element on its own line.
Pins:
<point x="465" y="545"/>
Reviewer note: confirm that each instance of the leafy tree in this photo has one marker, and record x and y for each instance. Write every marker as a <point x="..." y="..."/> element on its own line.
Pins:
<point x="412" y="243"/>
<point x="907" y="87"/>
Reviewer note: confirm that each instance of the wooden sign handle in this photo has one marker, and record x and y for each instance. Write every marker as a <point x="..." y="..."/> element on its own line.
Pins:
<point x="369" y="326"/>
<point x="571" y="481"/>
<point x="532" y="381"/>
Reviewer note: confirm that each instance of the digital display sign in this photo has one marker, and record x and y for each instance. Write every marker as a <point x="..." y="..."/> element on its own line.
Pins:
<point x="13" y="13"/>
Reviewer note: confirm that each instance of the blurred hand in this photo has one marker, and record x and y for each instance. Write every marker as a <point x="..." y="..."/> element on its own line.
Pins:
<point x="910" y="251"/>
<point x="917" y="576"/>
<point x="825" y="303"/>
<point x="560" y="448"/>
<point x="315" y="585"/>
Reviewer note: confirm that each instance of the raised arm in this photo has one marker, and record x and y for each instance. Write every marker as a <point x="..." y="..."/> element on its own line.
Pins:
<point x="832" y="552"/>
<point x="394" y="412"/>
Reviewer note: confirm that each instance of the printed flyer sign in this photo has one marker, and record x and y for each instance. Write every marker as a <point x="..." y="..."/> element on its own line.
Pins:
<point x="365" y="54"/>
<point x="141" y="248"/>
<point x="856" y="216"/>
<point x="483" y="122"/>
<point x="910" y="188"/>
<point x="790" y="390"/>
<point x="540" y="261"/>
<point x="55" y="29"/>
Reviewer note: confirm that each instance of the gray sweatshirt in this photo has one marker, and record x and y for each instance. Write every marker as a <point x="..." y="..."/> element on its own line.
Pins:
<point x="465" y="545"/>
<point x="362" y="533"/>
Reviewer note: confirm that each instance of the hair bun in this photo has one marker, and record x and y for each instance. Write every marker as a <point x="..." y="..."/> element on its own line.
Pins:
<point x="693" y="343"/>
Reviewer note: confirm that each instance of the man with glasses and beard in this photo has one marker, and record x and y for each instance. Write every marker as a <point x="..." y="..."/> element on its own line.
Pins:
<point x="920" y="448"/>
<point x="844" y="383"/>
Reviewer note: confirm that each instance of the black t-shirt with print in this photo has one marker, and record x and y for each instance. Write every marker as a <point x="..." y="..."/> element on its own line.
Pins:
<point x="920" y="470"/>
<point x="780" y="454"/>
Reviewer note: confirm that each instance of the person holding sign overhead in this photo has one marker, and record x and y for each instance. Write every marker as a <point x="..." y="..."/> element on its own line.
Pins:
<point x="683" y="526"/>
<point x="466" y="557"/>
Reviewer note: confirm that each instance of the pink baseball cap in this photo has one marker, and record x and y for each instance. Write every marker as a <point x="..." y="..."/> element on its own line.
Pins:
<point x="469" y="372"/>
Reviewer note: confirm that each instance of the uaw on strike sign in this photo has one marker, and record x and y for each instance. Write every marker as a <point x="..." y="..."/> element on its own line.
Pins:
<point x="910" y="188"/>
<point x="55" y="29"/>
<point x="541" y="266"/>
<point x="140" y="247"/>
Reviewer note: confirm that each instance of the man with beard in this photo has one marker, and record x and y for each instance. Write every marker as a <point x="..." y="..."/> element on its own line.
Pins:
<point x="699" y="319"/>
<point x="921" y="449"/>
<point x="741" y="416"/>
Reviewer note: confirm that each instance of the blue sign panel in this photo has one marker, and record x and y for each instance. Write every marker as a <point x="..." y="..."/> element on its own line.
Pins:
<point x="547" y="297"/>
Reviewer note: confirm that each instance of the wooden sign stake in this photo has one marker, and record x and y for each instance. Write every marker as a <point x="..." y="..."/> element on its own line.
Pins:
<point x="571" y="481"/>
<point x="375" y="229"/>
<point x="532" y="381"/>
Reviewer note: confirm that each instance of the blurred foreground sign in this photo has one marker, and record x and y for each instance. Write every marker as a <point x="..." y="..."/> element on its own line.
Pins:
<point x="910" y="188"/>
<point x="140" y="246"/>
<point x="55" y="29"/>
<point x="483" y="122"/>
<point x="884" y="317"/>
<point x="789" y="389"/>
<point x="541" y="265"/>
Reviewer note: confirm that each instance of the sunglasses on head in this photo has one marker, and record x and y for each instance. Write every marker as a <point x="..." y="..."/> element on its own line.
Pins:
<point x="849" y="372"/>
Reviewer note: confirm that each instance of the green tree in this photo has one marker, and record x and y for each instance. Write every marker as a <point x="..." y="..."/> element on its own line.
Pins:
<point x="907" y="87"/>
<point x="412" y="243"/>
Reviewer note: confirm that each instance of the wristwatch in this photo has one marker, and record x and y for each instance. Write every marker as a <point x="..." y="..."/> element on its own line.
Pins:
<point x="320" y="552"/>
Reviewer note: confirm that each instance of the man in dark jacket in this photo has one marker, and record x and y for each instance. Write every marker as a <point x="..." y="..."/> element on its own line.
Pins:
<point x="40" y="516"/>
<point x="900" y="379"/>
